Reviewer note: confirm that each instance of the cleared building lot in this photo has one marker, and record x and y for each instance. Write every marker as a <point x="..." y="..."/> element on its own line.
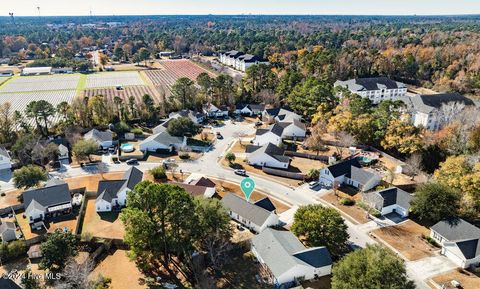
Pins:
<point x="114" y="79"/>
<point x="41" y="83"/>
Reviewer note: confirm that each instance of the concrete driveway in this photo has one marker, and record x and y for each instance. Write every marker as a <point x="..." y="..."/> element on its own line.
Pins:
<point x="426" y="268"/>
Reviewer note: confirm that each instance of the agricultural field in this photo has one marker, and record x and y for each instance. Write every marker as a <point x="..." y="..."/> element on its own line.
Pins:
<point x="114" y="79"/>
<point x="20" y="100"/>
<point x="41" y="83"/>
<point x="171" y="70"/>
<point x="136" y="91"/>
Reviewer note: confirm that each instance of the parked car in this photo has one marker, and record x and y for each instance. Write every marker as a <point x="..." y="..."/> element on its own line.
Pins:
<point x="312" y="185"/>
<point x="132" y="162"/>
<point x="258" y="123"/>
<point x="219" y="135"/>
<point x="240" y="172"/>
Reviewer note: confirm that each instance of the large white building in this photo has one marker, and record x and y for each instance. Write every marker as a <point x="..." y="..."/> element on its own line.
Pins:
<point x="239" y="60"/>
<point x="431" y="111"/>
<point x="376" y="89"/>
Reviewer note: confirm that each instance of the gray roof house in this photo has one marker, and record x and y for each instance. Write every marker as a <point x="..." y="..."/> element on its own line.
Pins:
<point x="104" y="139"/>
<point x="163" y="141"/>
<point x="112" y="194"/>
<point x="350" y="173"/>
<point x="279" y="115"/>
<point x="195" y="116"/>
<point x="460" y="241"/>
<point x="5" y="159"/>
<point x="47" y="202"/>
<point x="8" y="232"/>
<point x="268" y="155"/>
<point x="390" y="200"/>
<point x="287" y="259"/>
<point x="251" y="216"/>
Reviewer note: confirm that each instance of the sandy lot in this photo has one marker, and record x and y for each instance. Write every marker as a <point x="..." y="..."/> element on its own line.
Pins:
<point x="407" y="239"/>
<point x="124" y="273"/>
<point x="105" y="225"/>
<point x="467" y="280"/>
<point x="355" y="213"/>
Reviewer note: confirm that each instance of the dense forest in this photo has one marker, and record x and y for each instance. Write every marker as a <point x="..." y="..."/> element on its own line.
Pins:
<point x="442" y="53"/>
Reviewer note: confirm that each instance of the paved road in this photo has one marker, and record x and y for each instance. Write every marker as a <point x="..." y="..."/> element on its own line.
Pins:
<point x="208" y="165"/>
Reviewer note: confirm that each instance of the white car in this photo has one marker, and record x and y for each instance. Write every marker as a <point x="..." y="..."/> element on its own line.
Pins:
<point x="312" y="185"/>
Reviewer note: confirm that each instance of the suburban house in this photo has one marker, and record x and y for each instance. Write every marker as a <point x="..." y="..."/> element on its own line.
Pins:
<point x="162" y="127"/>
<point x="376" y="89"/>
<point x="286" y="260"/>
<point x="293" y="130"/>
<point x="272" y="115"/>
<point x="215" y="112"/>
<point x="460" y="241"/>
<point x="196" y="117"/>
<point x="6" y="73"/>
<point x="163" y="141"/>
<point x="6" y="283"/>
<point x="197" y="190"/>
<point x="202" y="181"/>
<point x="8" y="232"/>
<point x="5" y="160"/>
<point x="268" y="155"/>
<point x="104" y="139"/>
<point x="390" y="200"/>
<point x="35" y="251"/>
<point x="243" y="62"/>
<point x="48" y="202"/>
<point x="112" y="194"/>
<point x="426" y="110"/>
<point x="63" y="153"/>
<point x="267" y="204"/>
<point x="28" y="71"/>
<point x="349" y="173"/>
<point x="249" y="215"/>
<point x="272" y="134"/>
<point x="249" y="109"/>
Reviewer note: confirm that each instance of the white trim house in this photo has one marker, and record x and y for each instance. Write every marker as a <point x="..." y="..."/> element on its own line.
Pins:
<point x="268" y="155"/>
<point x="390" y="200"/>
<point x="249" y="215"/>
<point x="349" y="173"/>
<point x="287" y="260"/>
<point x="112" y="194"/>
<point x="460" y="241"/>
<point x="376" y="89"/>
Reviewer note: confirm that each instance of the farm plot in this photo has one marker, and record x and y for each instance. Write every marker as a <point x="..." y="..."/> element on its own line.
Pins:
<point x="114" y="79"/>
<point x="184" y="68"/>
<point x="136" y="91"/>
<point x="41" y="83"/>
<point x="20" y="100"/>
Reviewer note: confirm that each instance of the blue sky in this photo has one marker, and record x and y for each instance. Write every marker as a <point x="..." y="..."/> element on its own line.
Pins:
<point x="324" y="7"/>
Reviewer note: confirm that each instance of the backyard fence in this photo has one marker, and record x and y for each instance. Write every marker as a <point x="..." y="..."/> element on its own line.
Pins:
<point x="81" y="214"/>
<point x="307" y="156"/>
<point x="11" y="210"/>
<point x="282" y="173"/>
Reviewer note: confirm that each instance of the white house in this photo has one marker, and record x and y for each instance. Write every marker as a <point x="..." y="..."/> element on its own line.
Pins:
<point x="249" y="215"/>
<point x="376" y="89"/>
<point x="268" y="155"/>
<point x="5" y="160"/>
<point x="212" y="111"/>
<point x="8" y="231"/>
<point x="47" y="202"/>
<point x="427" y="110"/>
<point x="460" y="241"/>
<point x="272" y="115"/>
<point x="112" y="194"/>
<point x="163" y="141"/>
<point x="390" y="200"/>
<point x="249" y="109"/>
<point x="293" y="130"/>
<point x="287" y="260"/>
<point x="196" y="117"/>
<point x="228" y="58"/>
<point x="28" y="71"/>
<point x="104" y="139"/>
<point x="271" y="135"/>
<point x="349" y="173"/>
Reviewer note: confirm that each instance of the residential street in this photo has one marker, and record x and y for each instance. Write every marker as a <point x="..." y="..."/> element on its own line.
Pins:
<point x="209" y="166"/>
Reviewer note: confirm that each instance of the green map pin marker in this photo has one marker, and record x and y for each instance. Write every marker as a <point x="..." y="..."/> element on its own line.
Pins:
<point x="247" y="185"/>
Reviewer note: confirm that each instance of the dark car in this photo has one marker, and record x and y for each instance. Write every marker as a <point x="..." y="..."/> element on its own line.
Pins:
<point x="132" y="162"/>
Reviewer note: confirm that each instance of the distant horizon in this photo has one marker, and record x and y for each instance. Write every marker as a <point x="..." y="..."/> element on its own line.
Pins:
<point x="250" y="14"/>
<point x="243" y="7"/>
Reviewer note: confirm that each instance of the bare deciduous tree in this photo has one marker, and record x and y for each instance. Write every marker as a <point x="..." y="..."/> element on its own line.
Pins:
<point x="76" y="275"/>
<point x="449" y="112"/>
<point x="414" y="164"/>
